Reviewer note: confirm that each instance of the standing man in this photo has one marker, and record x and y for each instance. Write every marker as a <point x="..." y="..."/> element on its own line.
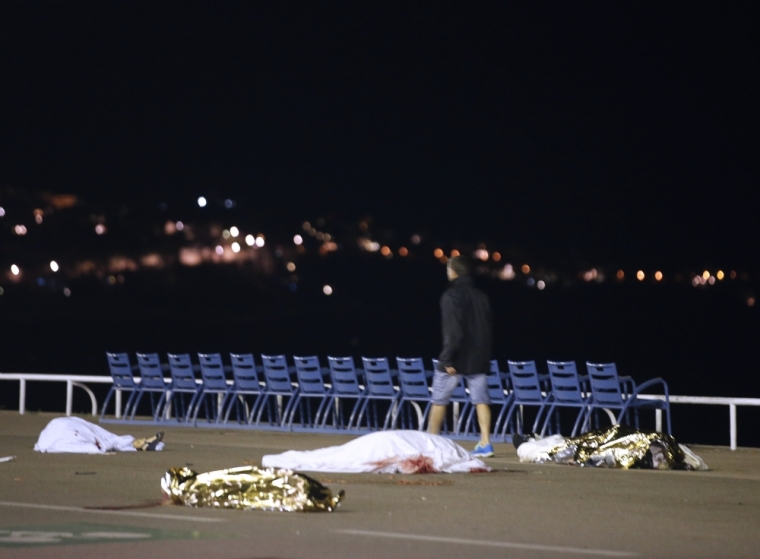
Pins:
<point x="466" y="322"/>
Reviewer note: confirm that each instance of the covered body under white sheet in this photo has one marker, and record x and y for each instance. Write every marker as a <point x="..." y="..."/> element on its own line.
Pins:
<point x="384" y="452"/>
<point x="73" y="434"/>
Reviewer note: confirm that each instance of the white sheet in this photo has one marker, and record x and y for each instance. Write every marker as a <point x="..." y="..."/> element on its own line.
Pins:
<point x="384" y="452"/>
<point x="72" y="434"/>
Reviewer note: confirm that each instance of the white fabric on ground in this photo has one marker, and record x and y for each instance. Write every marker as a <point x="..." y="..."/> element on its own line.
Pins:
<point x="537" y="450"/>
<point x="73" y="434"/>
<point x="384" y="452"/>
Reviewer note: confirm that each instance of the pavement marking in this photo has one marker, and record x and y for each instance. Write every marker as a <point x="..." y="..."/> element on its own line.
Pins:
<point x="112" y="512"/>
<point x="527" y="546"/>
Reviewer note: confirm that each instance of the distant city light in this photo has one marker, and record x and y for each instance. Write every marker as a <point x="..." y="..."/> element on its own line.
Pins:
<point x="179" y="225"/>
<point x="658" y="275"/>
<point x="260" y="241"/>
<point x="750" y="301"/>
<point x="403" y="251"/>
<point x="541" y="285"/>
<point x="327" y="290"/>
<point x="38" y="216"/>
<point x="306" y="225"/>
<point x="454" y="253"/>
<point x="226" y="234"/>
<point x="507" y="272"/>
<point x="525" y="269"/>
<point x="100" y="229"/>
<point x="229" y="203"/>
<point x="235" y="247"/>
<point x="640" y="275"/>
<point x="720" y="275"/>
<point x="481" y="254"/>
<point x="20" y="230"/>
<point x="591" y="274"/>
<point x="416" y="239"/>
<point x="201" y="201"/>
<point x="496" y="256"/>
<point x="706" y="274"/>
<point x="386" y="251"/>
<point x="15" y="270"/>
<point x="219" y="249"/>
<point x="711" y="280"/>
<point x="234" y="231"/>
<point x="54" y="265"/>
<point x="2" y="291"/>
<point x="2" y="211"/>
<point x="250" y="240"/>
<point x="170" y="228"/>
<point x="298" y="240"/>
<point x="732" y="274"/>
<point x="438" y="253"/>
<point x="66" y="292"/>
<point x="291" y="267"/>
<point x="531" y="282"/>
<point x="620" y="274"/>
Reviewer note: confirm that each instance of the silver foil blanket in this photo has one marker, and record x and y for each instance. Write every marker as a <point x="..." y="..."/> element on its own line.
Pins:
<point x="621" y="447"/>
<point x="248" y="488"/>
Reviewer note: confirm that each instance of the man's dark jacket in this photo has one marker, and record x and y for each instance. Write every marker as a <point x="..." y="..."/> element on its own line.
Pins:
<point x="466" y="322"/>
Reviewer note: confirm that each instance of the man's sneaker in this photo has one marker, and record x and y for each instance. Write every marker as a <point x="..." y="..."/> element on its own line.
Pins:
<point x="483" y="451"/>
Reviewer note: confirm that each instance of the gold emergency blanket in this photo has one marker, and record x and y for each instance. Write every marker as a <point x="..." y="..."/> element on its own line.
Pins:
<point x="621" y="447"/>
<point x="248" y="488"/>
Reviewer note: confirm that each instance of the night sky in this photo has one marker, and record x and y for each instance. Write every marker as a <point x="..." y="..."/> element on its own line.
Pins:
<point x="625" y="131"/>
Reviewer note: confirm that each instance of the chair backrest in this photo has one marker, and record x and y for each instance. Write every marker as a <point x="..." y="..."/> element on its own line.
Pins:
<point x="309" y="373"/>
<point x="459" y="394"/>
<point x="377" y="373"/>
<point x="526" y="386"/>
<point x="605" y="383"/>
<point x="506" y="379"/>
<point x="150" y="370"/>
<point x="121" y="370"/>
<point x="566" y="387"/>
<point x="496" y="385"/>
<point x="244" y="372"/>
<point x="212" y="371"/>
<point x="276" y="374"/>
<point x="412" y="379"/>
<point x="343" y="374"/>
<point x="181" y="369"/>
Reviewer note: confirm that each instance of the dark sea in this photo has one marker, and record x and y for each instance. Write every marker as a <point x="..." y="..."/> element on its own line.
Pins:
<point x="703" y="341"/>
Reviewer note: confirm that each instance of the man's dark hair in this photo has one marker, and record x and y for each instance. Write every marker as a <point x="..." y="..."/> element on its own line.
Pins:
<point x="462" y="265"/>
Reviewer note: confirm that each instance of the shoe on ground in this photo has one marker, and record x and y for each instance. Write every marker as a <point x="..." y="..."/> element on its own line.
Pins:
<point x="483" y="451"/>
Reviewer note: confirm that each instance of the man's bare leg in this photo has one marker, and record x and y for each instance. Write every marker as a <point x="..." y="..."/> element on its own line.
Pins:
<point x="484" y="420"/>
<point x="437" y="415"/>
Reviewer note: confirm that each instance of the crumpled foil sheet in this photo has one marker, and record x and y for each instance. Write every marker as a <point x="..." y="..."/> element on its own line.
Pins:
<point x="621" y="447"/>
<point x="249" y="488"/>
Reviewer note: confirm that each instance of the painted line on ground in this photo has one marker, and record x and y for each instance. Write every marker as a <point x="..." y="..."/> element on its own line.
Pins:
<point x="112" y="512"/>
<point x="485" y="543"/>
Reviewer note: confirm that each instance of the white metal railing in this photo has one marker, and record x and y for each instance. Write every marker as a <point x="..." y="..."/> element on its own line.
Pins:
<point x="80" y="380"/>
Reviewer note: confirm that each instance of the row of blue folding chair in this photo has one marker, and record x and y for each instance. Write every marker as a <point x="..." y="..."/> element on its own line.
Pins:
<point x="601" y="389"/>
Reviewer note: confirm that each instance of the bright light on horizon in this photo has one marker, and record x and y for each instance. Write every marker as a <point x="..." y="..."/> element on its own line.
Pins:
<point x="260" y="241"/>
<point x="298" y="240"/>
<point x="54" y="265"/>
<point x="15" y="270"/>
<point x="202" y="201"/>
<point x="327" y="290"/>
<point x="236" y="247"/>
<point x="234" y="231"/>
<point x="250" y="240"/>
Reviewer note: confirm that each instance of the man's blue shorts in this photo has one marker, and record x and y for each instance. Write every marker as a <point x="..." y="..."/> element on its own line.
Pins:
<point x="444" y="385"/>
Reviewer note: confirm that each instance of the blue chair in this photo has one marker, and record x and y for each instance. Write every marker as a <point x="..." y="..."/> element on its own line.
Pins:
<point x="214" y="387"/>
<point x="152" y="382"/>
<point x="379" y="389"/>
<point x="183" y="384"/>
<point x="462" y="400"/>
<point x="345" y="388"/>
<point x="608" y="392"/>
<point x="245" y="383"/>
<point x="123" y="379"/>
<point x="527" y="390"/>
<point x="279" y="390"/>
<point x="568" y="391"/>
<point x="311" y="386"/>
<point x="414" y="391"/>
